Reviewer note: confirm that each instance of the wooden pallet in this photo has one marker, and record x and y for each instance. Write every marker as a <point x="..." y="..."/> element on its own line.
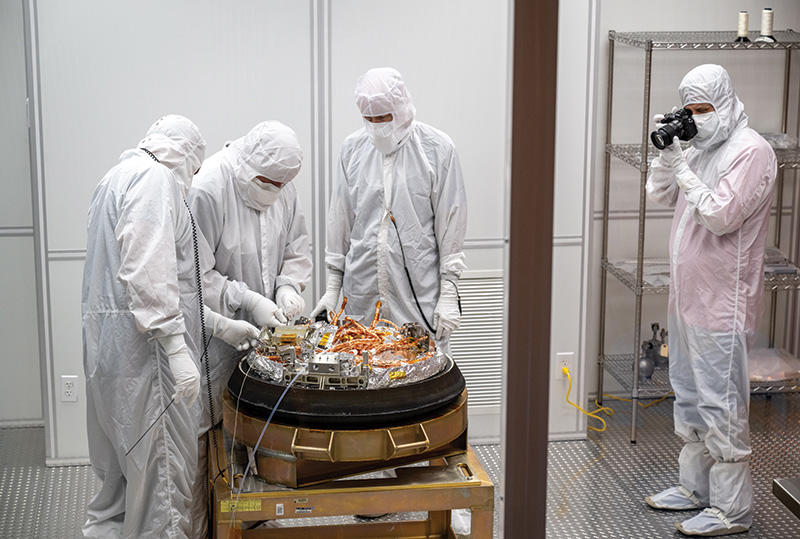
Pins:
<point x="453" y="483"/>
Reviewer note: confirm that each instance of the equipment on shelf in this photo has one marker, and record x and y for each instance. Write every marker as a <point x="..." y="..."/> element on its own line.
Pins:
<point x="766" y="27"/>
<point x="655" y="353"/>
<point x="674" y="124"/>
<point x="744" y="24"/>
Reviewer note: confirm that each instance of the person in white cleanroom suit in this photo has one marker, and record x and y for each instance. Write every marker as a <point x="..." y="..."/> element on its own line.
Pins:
<point x="250" y="214"/>
<point x="398" y="194"/>
<point x="721" y="188"/>
<point x="141" y="337"/>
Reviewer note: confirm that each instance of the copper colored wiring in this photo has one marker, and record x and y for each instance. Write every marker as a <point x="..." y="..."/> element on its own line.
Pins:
<point x="341" y="310"/>
<point x="376" y="340"/>
<point x="389" y="323"/>
<point x="377" y="315"/>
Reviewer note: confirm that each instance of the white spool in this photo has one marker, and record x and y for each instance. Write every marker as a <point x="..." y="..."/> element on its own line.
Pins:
<point x="744" y="23"/>
<point x="766" y="21"/>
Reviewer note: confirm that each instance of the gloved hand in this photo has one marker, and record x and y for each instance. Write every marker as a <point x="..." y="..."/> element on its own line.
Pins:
<point x="263" y="311"/>
<point x="290" y="301"/>
<point x="187" y="377"/>
<point x="240" y="334"/>
<point x="330" y="299"/>
<point x="446" y="316"/>
<point x="659" y="118"/>
<point x="672" y="156"/>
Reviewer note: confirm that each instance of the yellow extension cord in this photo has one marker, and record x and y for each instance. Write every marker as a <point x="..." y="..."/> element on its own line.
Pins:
<point x="563" y="506"/>
<point x="604" y="409"/>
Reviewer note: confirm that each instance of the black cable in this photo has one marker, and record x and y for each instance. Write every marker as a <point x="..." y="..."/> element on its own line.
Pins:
<point x="408" y="275"/>
<point x="171" y="402"/>
<point x="204" y="355"/>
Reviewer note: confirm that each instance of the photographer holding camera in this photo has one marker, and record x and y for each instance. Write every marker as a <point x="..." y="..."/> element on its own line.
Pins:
<point x="721" y="188"/>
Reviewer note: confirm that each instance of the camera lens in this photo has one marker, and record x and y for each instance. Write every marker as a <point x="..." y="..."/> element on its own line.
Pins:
<point x="659" y="141"/>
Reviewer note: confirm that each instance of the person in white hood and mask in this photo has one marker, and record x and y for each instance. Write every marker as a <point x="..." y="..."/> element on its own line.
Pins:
<point x="721" y="189"/>
<point x="142" y="338"/>
<point x="250" y="214"/>
<point x="398" y="215"/>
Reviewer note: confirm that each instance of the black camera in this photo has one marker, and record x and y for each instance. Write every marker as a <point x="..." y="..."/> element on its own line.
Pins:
<point x="675" y="124"/>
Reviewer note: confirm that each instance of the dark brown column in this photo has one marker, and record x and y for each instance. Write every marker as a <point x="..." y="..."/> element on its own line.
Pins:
<point x="531" y="242"/>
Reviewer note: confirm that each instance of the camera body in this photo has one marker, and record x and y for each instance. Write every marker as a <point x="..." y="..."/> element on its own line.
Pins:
<point x="675" y="124"/>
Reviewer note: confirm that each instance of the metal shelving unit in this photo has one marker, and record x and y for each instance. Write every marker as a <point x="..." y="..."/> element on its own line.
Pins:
<point x="636" y="274"/>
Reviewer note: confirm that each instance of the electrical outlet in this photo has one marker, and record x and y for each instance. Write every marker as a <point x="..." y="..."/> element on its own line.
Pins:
<point x="69" y="388"/>
<point x="566" y="359"/>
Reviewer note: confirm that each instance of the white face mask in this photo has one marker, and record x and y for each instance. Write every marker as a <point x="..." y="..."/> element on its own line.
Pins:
<point x="382" y="136"/>
<point x="707" y="126"/>
<point x="262" y="195"/>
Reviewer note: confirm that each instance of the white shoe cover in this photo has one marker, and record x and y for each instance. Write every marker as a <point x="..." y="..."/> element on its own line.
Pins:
<point x="711" y="522"/>
<point x="674" y="499"/>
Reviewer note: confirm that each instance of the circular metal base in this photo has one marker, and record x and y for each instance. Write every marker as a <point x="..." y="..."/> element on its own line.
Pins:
<point x="298" y="456"/>
<point x="346" y="408"/>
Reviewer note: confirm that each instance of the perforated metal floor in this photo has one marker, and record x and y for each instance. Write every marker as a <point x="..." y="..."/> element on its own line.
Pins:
<point x="595" y="488"/>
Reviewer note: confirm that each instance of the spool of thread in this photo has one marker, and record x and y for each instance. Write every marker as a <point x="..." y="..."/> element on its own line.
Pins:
<point x="744" y="24"/>
<point x="766" y="21"/>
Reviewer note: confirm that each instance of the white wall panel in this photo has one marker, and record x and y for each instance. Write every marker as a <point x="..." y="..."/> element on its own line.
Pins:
<point x="226" y="66"/>
<point x="20" y="387"/>
<point x="15" y="202"/>
<point x="453" y="57"/>
<point x="20" y="392"/>
<point x="66" y="277"/>
<point x="572" y="110"/>
<point x="565" y="337"/>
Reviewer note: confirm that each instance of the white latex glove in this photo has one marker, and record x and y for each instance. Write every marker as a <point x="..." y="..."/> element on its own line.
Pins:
<point x="672" y="156"/>
<point x="264" y="312"/>
<point x="446" y="316"/>
<point x="291" y="303"/>
<point x="330" y="299"/>
<point x="240" y="334"/>
<point x="659" y="118"/>
<point x="187" y="377"/>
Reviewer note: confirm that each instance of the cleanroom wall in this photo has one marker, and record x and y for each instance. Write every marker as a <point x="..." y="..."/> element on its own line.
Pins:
<point x="228" y="66"/>
<point x="20" y="393"/>
<point x="758" y="79"/>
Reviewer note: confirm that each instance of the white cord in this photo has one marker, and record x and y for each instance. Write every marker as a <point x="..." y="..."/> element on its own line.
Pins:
<point x="236" y="417"/>
<point x="255" y="449"/>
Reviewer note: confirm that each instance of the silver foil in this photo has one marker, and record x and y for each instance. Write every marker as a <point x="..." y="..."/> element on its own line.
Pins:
<point x="264" y="367"/>
<point x="378" y="377"/>
<point x="406" y="374"/>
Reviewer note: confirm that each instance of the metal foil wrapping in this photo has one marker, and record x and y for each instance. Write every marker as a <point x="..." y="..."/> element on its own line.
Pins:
<point x="406" y="374"/>
<point x="378" y="377"/>
<point x="264" y="367"/>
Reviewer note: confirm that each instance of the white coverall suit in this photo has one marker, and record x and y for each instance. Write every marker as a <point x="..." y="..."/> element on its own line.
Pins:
<point x="139" y="284"/>
<point x="722" y="206"/>
<point x="415" y="176"/>
<point x="259" y="240"/>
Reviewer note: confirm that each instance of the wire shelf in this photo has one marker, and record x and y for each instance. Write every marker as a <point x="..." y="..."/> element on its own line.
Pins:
<point x="624" y="271"/>
<point x="620" y="366"/>
<point x="787" y="39"/>
<point x="655" y="277"/>
<point x="631" y="154"/>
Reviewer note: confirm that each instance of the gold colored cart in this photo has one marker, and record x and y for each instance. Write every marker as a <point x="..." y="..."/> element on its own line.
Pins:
<point x="453" y="483"/>
<point x="299" y="457"/>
